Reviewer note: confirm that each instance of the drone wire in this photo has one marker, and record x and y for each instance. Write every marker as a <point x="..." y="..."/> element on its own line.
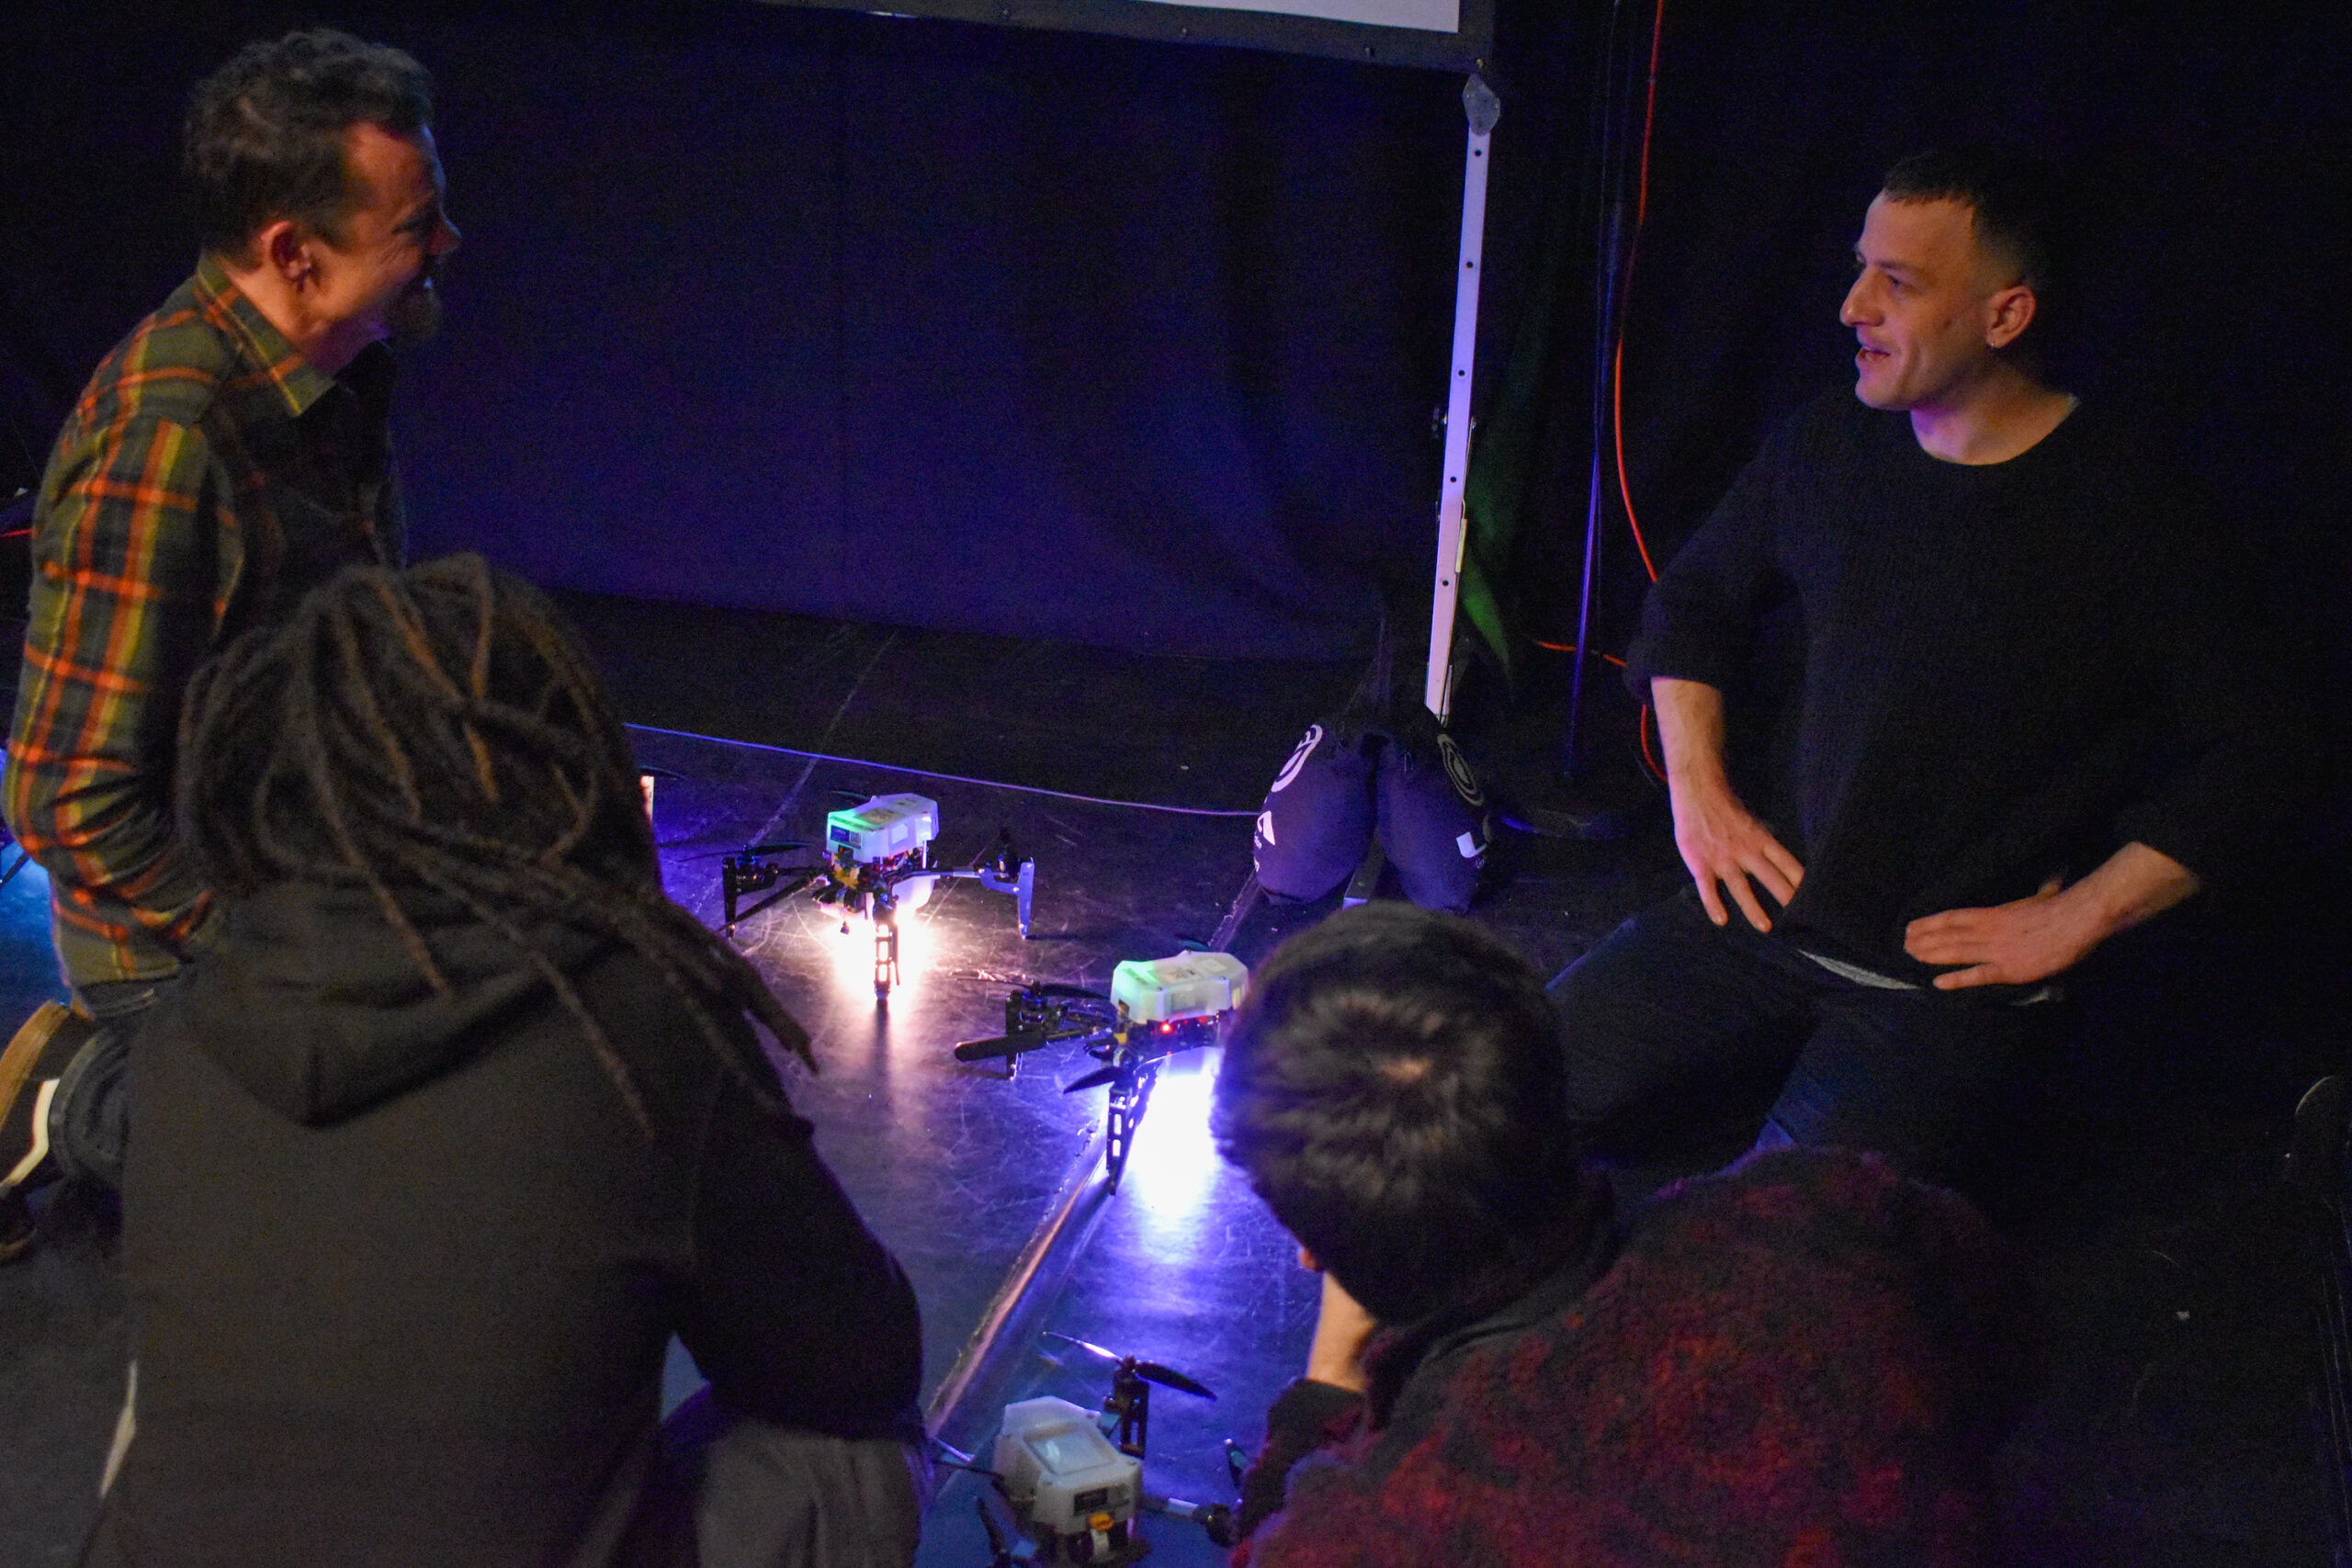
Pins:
<point x="960" y="778"/>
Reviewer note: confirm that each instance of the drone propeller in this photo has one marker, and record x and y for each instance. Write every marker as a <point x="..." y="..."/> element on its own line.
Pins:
<point x="1094" y="1079"/>
<point x="1150" y="1371"/>
<point x="1014" y="1043"/>
<point x="1061" y="988"/>
<point x="1002" y="1046"/>
<point x="1000" y="857"/>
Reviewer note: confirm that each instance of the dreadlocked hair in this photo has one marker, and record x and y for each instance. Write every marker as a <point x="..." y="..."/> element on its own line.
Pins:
<point x="437" y="731"/>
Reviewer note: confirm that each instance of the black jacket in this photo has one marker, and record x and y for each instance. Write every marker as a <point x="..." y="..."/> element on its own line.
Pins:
<point x="403" y="1266"/>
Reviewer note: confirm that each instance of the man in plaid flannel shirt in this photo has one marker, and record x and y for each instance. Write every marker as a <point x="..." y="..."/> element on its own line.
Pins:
<point x="230" y="455"/>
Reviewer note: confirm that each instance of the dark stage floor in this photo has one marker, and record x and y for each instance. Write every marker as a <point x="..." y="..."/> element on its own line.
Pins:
<point x="2174" y="1426"/>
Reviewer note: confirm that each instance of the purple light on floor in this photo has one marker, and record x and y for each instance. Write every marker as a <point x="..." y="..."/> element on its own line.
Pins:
<point x="850" y="944"/>
<point x="1174" y="1164"/>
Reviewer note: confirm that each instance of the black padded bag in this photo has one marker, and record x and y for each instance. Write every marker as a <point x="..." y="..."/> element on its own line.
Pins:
<point x="1432" y="813"/>
<point x="1318" y="819"/>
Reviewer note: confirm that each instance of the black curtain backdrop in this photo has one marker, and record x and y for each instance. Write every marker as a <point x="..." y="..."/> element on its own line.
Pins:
<point x="913" y="321"/>
<point x="2211" y="146"/>
<point x="1130" y="343"/>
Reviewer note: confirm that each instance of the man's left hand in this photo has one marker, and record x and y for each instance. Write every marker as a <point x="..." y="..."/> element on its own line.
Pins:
<point x="2032" y="939"/>
<point x="2007" y="944"/>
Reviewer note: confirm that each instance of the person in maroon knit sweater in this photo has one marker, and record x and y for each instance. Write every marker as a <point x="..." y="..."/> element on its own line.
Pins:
<point x="1806" y="1359"/>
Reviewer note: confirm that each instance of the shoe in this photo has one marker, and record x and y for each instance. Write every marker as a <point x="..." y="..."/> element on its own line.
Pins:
<point x="30" y="1068"/>
<point x="16" y="1232"/>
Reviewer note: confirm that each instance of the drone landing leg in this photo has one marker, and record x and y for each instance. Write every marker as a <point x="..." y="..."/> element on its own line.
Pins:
<point x="1130" y="1098"/>
<point x="886" y="956"/>
<point x="1131" y="1402"/>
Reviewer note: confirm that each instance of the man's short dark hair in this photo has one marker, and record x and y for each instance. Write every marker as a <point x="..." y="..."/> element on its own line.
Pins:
<point x="1394" y="1090"/>
<point x="265" y="133"/>
<point x="2018" y="210"/>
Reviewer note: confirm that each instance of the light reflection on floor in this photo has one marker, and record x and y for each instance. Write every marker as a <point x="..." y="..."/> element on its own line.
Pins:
<point x="1173" y="1168"/>
<point x="958" y="1165"/>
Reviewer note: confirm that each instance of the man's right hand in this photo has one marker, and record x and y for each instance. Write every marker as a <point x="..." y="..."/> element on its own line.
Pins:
<point x="1725" y="848"/>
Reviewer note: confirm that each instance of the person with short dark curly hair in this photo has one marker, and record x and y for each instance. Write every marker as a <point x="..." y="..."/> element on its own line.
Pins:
<point x="266" y="135"/>
<point x="227" y="457"/>
<point x="1808" y="1358"/>
<point x="456" y="1123"/>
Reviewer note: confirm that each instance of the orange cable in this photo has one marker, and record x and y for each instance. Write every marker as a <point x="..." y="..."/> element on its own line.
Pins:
<point x="1571" y="648"/>
<point x="1617" y="391"/>
<point x="1617" y="422"/>
<point x="1617" y="366"/>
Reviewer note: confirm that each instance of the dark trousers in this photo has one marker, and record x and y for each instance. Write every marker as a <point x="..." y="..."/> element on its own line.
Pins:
<point x="710" y="1489"/>
<point x="1669" y="1008"/>
<point x="89" y="1120"/>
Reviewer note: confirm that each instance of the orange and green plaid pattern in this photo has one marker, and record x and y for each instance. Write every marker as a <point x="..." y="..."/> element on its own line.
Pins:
<point x="209" y="476"/>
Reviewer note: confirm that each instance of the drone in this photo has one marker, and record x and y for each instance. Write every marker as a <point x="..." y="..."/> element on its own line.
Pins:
<point x="878" y="856"/>
<point x="1155" y="1009"/>
<point x="1076" y="1490"/>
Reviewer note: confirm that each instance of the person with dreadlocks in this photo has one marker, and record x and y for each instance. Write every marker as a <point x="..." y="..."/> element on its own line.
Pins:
<point x="457" y="1122"/>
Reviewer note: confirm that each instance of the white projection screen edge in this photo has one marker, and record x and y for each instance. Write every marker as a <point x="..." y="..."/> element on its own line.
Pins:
<point x="1446" y="35"/>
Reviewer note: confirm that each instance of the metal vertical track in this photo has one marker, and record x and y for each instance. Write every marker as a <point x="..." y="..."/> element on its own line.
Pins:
<point x="1482" y="110"/>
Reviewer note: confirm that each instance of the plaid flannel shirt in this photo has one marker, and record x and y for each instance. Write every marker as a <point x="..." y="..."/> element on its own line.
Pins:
<point x="207" y="477"/>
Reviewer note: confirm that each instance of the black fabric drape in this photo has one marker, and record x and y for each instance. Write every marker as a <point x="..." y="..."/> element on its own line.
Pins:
<point x="1137" y="343"/>
<point x="2208" y="146"/>
<point x="920" y="322"/>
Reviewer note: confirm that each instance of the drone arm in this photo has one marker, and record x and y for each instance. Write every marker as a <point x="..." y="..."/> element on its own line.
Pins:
<point x="1020" y="883"/>
<point x="1213" y="1518"/>
<point x="1016" y="1045"/>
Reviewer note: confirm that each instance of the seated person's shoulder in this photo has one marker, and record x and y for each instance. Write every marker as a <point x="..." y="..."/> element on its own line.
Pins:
<point x="1767" y="1338"/>
<point x="1832" y="1266"/>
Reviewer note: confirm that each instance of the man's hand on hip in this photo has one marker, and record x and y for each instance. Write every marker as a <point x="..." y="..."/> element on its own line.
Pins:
<point x="1727" y="850"/>
<point x="2034" y="937"/>
<point x="2007" y="944"/>
<point x="1721" y="842"/>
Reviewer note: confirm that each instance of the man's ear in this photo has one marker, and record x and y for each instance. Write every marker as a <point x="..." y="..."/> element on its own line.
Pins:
<point x="1307" y="1261"/>
<point x="2007" y="313"/>
<point x="284" y="247"/>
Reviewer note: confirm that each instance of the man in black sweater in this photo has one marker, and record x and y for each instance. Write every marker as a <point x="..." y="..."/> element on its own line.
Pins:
<point x="2026" y="718"/>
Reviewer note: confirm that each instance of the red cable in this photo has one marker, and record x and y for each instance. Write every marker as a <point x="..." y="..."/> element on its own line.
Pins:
<point x="1617" y="420"/>
<point x="1571" y="648"/>
<point x="1617" y="369"/>
<point x="1617" y="366"/>
<point x="1641" y="216"/>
